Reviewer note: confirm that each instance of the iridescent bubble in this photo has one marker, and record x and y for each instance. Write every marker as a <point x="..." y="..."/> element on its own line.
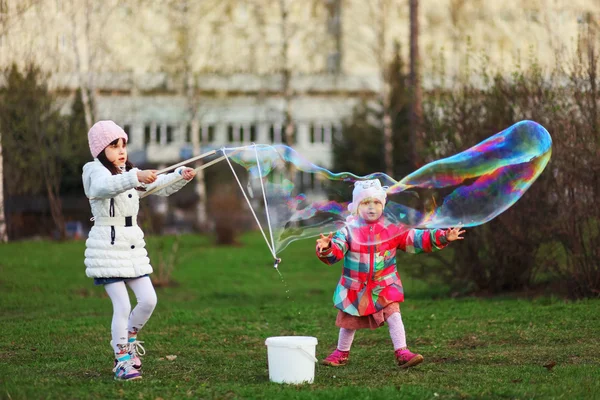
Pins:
<point x="476" y="185"/>
<point x="294" y="199"/>
<point x="291" y="197"/>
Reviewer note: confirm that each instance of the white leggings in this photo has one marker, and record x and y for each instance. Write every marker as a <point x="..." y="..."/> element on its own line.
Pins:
<point x="395" y="325"/>
<point x="124" y="320"/>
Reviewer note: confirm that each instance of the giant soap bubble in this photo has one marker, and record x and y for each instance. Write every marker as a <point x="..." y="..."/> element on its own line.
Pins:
<point x="294" y="199"/>
<point x="473" y="187"/>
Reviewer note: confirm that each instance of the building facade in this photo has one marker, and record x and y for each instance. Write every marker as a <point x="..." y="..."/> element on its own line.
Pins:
<point x="183" y="75"/>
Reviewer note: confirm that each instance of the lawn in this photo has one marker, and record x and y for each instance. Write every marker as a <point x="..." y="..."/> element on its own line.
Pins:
<point x="55" y="332"/>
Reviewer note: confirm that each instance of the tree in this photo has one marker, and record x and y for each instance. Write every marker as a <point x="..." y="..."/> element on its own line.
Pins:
<point x="34" y="138"/>
<point x="416" y="114"/>
<point x="373" y="27"/>
<point x="88" y="21"/>
<point x="388" y="144"/>
<point x="286" y="73"/>
<point x="3" y="234"/>
<point x="75" y="130"/>
<point x="349" y="150"/>
<point x="184" y="39"/>
<point x="293" y="31"/>
<point x="399" y="110"/>
<point x="180" y="58"/>
<point x="8" y="17"/>
<point x="350" y="153"/>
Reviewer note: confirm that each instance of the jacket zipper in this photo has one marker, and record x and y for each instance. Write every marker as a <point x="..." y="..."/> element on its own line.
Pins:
<point x="371" y="254"/>
<point x="111" y="212"/>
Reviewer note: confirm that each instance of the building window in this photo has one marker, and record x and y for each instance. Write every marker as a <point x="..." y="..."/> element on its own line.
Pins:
<point x="247" y="133"/>
<point x="208" y="134"/>
<point x="276" y="132"/>
<point x="147" y="134"/>
<point x="158" y="135"/>
<point x="230" y="137"/>
<point x="127" y="129"/>
<point x="272" y="133"/>
<point x="188" y="133"/>
<point x="322" y="132"/>
<point x="169" y="137"/>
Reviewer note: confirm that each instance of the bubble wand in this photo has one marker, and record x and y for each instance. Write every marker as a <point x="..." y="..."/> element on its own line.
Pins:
<point x="271" y="245"/>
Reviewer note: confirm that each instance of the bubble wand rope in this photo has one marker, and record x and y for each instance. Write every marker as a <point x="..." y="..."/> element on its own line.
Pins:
<point x="262" y="186"/>
<point x="251" y="209"/>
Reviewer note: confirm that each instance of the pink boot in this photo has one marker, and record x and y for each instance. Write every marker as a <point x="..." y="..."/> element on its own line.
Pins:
<point x="124" y="370"/>
<point x="136" y="350"/>
<point x="337" y="358"/>
<point x="407" y="359"/>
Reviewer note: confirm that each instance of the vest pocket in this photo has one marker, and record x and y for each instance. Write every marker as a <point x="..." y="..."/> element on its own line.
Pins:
<point x="350" y="283"/>
<point x="388" y="279"/>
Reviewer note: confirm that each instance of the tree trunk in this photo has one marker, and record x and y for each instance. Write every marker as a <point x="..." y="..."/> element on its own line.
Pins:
<point x="416" y="114"/>
<point x="286" y="76"/>
<point x="56" y="208"/>
<point x="200" y="182"/>
<point x="388" y="143"/>
<point x="84" y="84"/>
<point x="3" y="232"/>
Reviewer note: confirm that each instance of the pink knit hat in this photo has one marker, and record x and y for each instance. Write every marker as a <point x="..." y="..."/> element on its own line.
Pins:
<point x="365" y="189"/>
<point x="102" y="134"/>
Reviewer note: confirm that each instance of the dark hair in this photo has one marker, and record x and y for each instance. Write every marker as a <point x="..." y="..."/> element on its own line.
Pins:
<point x="110" y="166"/>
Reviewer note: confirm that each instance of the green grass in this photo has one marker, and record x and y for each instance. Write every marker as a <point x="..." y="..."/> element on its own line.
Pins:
<point x="55" y="332"/>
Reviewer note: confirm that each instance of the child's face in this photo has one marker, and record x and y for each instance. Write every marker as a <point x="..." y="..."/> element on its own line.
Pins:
<point x="116" y="152"/>
<point x="370" y="209"/>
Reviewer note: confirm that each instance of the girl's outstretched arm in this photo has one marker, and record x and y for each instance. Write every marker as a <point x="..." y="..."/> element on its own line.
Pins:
<point x="417" y="241"/>
<point x="338" y="245"/>
<point x="98" y="182"/>
<point x="453" y="234"/>
<point x="172" y="182"/>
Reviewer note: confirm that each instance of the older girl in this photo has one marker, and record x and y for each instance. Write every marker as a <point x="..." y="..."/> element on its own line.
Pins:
<point x="115" y="254"/>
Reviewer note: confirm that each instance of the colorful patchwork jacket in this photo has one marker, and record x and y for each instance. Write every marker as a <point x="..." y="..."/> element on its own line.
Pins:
<point x="369" y="279"/>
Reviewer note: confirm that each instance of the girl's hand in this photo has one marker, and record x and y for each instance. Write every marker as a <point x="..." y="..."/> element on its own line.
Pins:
<point x="324" y="243"/>
<point x="188" y="174"/>
<point x="147" y="176"/>
<point x="453" y="234"/>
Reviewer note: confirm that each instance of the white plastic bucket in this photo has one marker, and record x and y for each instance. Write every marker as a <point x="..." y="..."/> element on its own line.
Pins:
<point x="291" y="358"/>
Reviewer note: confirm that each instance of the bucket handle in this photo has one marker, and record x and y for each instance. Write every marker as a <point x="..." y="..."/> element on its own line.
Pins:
<point x="313" y="358"/>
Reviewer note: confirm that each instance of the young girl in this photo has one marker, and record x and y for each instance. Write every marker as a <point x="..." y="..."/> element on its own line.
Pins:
<point x="115" y="252"/>
<point x="369" y="291"/>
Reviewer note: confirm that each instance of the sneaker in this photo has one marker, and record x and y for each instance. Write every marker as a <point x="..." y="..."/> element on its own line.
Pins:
<point x="135" y="349"/>
<point x="124" y="370"/>
<point x="337" y="358"/>
<point x="407" y="359"/>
